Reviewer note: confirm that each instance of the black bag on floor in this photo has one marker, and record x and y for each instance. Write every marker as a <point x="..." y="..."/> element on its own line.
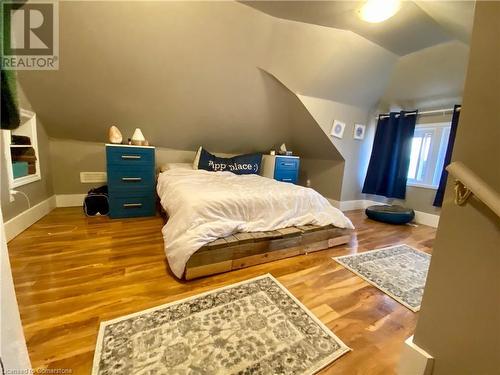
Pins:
<point x="96" y="202"/>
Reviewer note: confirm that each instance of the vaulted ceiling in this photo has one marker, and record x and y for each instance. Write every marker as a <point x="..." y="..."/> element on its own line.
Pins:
<point x="416" y="26"/>
<point x="187" y="73"/>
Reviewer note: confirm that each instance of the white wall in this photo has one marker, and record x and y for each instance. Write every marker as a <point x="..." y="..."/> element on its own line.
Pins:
<point x="356" y="153"/>
<point x="13" y="349"/>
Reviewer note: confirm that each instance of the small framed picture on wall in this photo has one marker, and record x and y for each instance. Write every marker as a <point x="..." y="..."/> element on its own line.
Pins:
<point x="338" y="128"/>
<point x="359" y="131"/>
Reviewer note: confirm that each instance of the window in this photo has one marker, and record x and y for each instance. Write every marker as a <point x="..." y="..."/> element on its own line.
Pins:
<point x="428" y="150"/>
<point x="21" y="151"/>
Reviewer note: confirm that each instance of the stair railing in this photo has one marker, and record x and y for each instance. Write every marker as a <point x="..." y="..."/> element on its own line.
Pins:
<point x="468" y="183"/>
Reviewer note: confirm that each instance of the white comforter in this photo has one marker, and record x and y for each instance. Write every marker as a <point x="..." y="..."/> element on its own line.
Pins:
<point x="203" y="206"/>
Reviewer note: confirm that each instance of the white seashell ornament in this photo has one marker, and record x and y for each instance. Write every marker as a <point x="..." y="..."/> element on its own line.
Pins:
<point x="114" y="135"/>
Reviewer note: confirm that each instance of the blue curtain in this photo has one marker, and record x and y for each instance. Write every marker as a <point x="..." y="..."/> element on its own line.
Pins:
<point x="438" y="200"/>
<point x="390" y="159"/>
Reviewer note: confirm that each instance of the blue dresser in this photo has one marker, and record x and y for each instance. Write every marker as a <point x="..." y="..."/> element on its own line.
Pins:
<point x="281" y="168"/>
<point x="131" y="180"/>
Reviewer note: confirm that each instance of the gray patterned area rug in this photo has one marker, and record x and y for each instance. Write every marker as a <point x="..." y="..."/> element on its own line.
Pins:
<point x="253" y="327"/>
<point x="399" y="271"/>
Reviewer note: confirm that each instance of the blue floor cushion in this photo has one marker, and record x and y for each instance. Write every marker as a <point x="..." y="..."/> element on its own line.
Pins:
<point x="390" y="214"/>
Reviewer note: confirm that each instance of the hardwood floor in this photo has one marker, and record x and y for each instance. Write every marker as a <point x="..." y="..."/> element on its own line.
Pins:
<point x="71" y="272"/>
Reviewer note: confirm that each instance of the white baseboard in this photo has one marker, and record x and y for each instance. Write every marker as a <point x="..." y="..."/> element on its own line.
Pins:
<point x="414" y="360"/>
<point x="426" y="219"/>
<point x="27" y="218"/>
<point x="360" y="204"/>
<point x="352" y="205"/>
<point x="420" y="217"/>
<point x="70" y="200"/>
<point x="334" y="203"/>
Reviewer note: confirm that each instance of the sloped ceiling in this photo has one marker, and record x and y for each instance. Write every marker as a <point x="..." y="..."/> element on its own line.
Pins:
<point x="329" y="63"/>
<point x="412" y="29"/>
<point x="456" y="17"/>
<point x="307" y="137"/>
<point x="433" y="77"/>
<point x="187" y="74"/>
<point x="140" y="64"/>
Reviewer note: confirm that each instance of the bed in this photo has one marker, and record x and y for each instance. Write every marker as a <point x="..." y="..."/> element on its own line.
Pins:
<point x="210" y="211"/>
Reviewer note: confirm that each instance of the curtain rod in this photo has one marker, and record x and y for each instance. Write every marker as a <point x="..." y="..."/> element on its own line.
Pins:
<point x="423" y="113"/>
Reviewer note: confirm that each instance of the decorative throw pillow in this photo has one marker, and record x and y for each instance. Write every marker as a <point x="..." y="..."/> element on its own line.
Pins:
<point x="241" y="164"/>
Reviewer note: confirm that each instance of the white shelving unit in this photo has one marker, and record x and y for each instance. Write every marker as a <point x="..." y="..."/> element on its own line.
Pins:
<point x="27" y="128"/>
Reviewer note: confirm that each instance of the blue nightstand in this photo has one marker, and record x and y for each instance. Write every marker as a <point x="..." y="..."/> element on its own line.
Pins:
<point x="131" y="180"/>
<point x="281" y="168"/>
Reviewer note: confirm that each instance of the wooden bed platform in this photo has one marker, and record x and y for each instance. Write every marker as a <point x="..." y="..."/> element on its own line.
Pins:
<point x="247" y="249"/>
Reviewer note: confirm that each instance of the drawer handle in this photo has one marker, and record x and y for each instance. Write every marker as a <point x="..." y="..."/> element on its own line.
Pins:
<point x="288" y="164"/>
<point x="132" y="205"/>
<point x="131" y="156"/>
<point x="287" y="179"/>
<point x="132" y="179"/>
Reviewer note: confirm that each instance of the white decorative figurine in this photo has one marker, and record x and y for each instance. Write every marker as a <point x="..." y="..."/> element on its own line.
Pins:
<point x="114" y="135"/>
<point x="138" y="138"/>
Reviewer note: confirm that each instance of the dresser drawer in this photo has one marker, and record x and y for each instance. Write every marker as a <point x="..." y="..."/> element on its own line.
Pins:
<point x="288" y="164"/>
<point x="122" y="178"/>
<point x="132" y="204"/>
<point x="129" y="156"/>
<point x="286" y="176"/>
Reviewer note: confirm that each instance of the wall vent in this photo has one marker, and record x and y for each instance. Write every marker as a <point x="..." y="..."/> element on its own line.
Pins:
<point x="92" y="177"/>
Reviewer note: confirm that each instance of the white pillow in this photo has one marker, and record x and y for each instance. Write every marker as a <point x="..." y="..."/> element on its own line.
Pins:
<point x="168" y="166"/>
<point x="196" y="160"/>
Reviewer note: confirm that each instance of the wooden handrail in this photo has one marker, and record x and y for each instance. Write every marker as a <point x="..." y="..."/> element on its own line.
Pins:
<point x="467" y="183"/>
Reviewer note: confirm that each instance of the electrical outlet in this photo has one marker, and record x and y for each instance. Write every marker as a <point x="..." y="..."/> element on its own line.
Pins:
<point x="93" y="177"/>
<point x="308" y="183"/>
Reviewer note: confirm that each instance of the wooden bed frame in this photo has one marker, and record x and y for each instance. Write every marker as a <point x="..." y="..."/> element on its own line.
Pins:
<point x="248" y="249"/>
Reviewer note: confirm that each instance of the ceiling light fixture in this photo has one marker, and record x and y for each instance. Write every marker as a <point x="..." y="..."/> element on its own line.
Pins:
<point x="376" y="11"/>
